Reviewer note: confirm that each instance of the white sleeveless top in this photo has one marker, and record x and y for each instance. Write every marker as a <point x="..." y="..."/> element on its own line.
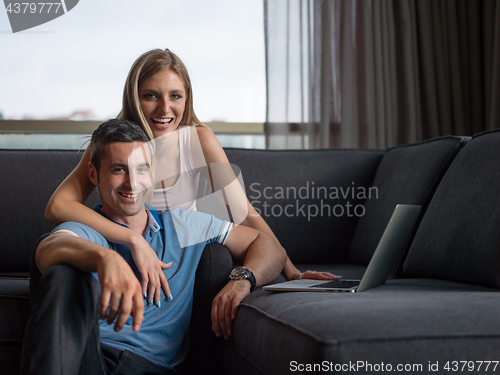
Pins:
<point x="183" y="193"/>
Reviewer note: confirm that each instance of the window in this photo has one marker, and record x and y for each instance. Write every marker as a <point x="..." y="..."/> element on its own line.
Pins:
<point x="74" y="67"/>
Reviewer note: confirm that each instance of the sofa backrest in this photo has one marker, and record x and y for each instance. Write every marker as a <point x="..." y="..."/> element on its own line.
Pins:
<point x="407" y="174"/>
<point x="459" y="236"/>
<point x="309" y="198"/>
<point x="311" y="226"/>
<point x="30" y="177"/>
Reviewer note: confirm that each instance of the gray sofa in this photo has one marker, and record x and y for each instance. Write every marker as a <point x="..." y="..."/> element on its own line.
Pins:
<point x="329" y="209"/>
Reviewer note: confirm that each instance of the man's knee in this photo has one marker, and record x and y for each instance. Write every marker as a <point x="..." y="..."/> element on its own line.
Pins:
<point x="64" y="315"/>
<point x="65" y="283"/>
<point x="66" y="273"/>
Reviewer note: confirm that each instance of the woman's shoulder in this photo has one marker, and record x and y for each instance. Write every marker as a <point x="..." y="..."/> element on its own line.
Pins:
<point x="200" y="135"/>
<point x="204" y="144"/>
<point x="212" y="149"/>
<point x="206" y="136"/>
<point x="200" y="130"/>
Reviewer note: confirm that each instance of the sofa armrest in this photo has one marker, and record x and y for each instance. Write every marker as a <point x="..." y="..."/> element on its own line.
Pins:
<point x="212" y="274"/>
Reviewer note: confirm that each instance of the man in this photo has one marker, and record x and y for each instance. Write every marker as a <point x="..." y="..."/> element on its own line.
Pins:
<point x="64" y="335"/>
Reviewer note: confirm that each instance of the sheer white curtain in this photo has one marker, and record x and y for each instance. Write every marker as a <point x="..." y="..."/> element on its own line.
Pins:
<point x="377" y="73"/>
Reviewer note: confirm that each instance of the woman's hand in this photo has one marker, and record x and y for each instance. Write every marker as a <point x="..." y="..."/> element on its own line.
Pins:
<point x="151" y="270"/>
<point x="316" y="275"/>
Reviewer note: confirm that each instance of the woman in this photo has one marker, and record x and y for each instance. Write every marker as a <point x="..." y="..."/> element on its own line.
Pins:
<point x="158" y="96"/>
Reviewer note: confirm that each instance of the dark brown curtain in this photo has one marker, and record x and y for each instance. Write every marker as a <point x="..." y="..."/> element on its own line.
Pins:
<point x="459" y="66"/>
<point x="377" y="73"/>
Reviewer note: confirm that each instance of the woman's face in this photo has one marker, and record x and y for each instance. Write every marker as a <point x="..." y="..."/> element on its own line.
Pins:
<point x="163" y="99"/>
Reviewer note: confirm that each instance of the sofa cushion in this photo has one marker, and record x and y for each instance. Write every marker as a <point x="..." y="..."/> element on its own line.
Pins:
<point x="295" y="193"/>
<point x="405" y="321"/>
<point x="34" y="177"/>
<point x="459" y="237"/>
<point x="14" y="312"/>
<point x="407" y="174"/>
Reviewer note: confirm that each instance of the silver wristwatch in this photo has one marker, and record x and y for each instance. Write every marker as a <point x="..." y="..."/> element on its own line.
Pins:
<point x="243" y="273"/>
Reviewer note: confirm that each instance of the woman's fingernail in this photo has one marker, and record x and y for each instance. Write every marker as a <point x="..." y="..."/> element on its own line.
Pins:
<point x="331" y="278"/>
<point x="169" y="263"/>
<point x="159" y="303"/>
<point x="170" y="297"/>
<point x="145" y="295"/>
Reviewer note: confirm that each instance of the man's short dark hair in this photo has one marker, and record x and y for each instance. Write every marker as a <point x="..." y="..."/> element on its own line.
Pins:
<point x="114" y="130"/>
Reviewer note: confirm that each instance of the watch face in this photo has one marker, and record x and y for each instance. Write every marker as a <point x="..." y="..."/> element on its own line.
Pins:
<point x="243" y="273"/>
<point x="239" y="272"/>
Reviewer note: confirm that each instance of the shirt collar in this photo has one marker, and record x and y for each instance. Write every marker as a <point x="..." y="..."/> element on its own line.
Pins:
<point x="154" y="222"/>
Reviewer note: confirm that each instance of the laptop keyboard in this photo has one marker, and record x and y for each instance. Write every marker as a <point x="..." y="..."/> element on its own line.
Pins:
<point x="338" y="284"/>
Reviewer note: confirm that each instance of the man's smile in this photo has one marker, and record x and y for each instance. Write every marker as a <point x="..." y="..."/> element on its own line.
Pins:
<point x="132" y="196"/>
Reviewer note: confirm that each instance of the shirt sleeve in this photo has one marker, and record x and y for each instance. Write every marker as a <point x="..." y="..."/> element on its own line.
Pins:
<point x="193" y="227"/>
<point x="82" y="231"/>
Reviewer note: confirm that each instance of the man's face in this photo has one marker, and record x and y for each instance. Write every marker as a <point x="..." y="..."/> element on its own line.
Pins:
<point x="124" y="179"/>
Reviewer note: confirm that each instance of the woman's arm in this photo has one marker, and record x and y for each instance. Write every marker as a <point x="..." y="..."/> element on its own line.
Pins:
<point x="239" y="206"/>
<point x="66" y="204"/>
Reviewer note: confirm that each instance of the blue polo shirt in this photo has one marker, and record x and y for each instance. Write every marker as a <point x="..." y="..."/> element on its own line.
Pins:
<point x="162" y="336"/>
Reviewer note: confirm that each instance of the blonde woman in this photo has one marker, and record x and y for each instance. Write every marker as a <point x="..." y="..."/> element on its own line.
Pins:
<point x="158" y="96"/>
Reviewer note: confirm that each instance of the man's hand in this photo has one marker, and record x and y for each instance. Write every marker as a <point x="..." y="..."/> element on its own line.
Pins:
<point x="120" y="290"/>
<point x="225" y="306"/>
<point x="258" y="252"/>
<point x="151" y="270"/>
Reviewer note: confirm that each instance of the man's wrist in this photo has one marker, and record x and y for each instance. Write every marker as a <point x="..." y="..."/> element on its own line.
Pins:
<point x="244" y="282"/>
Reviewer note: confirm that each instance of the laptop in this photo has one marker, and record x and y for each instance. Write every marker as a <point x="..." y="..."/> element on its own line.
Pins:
<point x="384" y="259"/>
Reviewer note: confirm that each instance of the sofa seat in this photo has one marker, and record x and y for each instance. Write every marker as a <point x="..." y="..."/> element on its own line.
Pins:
<point x="405" y="321"/>
<point x="14" y="309"/>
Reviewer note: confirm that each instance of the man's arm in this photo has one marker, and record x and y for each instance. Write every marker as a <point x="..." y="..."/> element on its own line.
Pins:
<point x="120" y="288"/>
<point x="262" y="255"/>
